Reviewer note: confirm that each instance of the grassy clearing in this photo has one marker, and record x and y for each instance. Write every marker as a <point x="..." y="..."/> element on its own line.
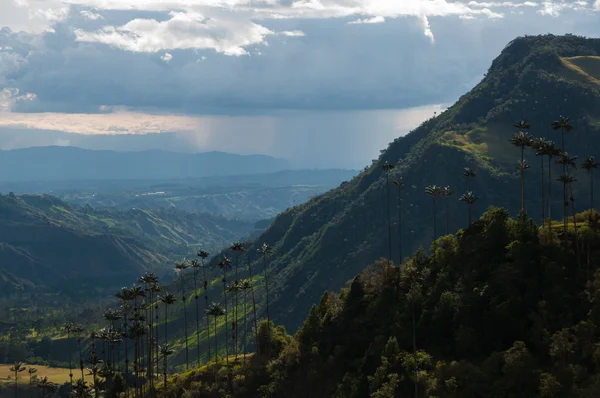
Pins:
<point x="55" y="375"/>
<point x="586" y="69"/>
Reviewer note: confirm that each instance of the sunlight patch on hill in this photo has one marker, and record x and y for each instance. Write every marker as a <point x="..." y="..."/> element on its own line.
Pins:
<point x="587" y="69"/>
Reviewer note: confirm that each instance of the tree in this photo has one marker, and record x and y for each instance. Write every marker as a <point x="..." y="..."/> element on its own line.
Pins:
<point x="195" y="265"/>
<point x="156" y="289"/>
<point x="215" y="310"/>
<point x="522" y="140"/>
<point x="167" y="299"/>
<point x="550" y="150"/>
<point x="165" y="351"/>
<point x="469" y="198"/>
<point x="399" y="183"/>
<point x="566" y="161"/>
<point x="589" y="164"/>
<point x="149" y="279"/>
<point x="469" y="174"/>
<point x="81" y="390"/>
<point x="239" y="249"/>
<point x="435" y="192"/>
<point x="564" y="125"/>
<point x="77" y="330"/>
<point x="447" y="192"/>
<point x="245" y="286"/>
<point x="125" y="295"/>
<point x="234" y="289"/>
<point x="265" y="251"/>
<point x="46" y="386"/>
<point x="203" y="256"/>
<point x="111" y="315"/>
<point x="224" y="264"/>
<point x="17" y="368"/>
<point x="539" y="144"/>
<point x="68" y="329"/>
<point x="31" y="372"/>
<point x="253" y="306"/>
<point x="179" y="268"/>
<point x="387" y="168"/>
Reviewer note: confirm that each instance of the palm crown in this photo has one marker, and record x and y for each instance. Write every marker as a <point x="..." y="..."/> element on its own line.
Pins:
<point x="589" y="163"/>
<point x="563" y="123"/>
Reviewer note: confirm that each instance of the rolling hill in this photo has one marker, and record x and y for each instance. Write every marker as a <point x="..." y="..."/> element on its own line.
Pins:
<point x="51" y="245"/>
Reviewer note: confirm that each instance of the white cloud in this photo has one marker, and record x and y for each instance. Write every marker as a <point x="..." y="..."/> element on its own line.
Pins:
<point x="293" y="33"/>
<point x="184" y="30"/>
<point x="91" y="15"/>
<point x="166" y="58"/>
<point x="597" y="5"/>
<point x="427" y="29"/>
<point x="368" y="20"/>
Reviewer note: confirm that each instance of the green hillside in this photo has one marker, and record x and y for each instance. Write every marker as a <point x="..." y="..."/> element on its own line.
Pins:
<point x="321" y="244"/>
<point x="501" y="309"/>
<point x="53" y="246"/>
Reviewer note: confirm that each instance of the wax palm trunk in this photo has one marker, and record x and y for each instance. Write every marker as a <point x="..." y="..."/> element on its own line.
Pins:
<point x="207" y="318"/>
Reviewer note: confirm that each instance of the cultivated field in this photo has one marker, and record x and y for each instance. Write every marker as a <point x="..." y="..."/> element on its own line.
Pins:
<point x="55" y="375"/>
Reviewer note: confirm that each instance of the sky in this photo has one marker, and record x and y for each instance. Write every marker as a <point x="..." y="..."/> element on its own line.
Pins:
<point x="323" y="83"/>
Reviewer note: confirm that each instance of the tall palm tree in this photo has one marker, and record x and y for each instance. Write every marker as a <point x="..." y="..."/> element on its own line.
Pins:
<point x="167" y="299"/>
<point x="125" y="295"/>
<point x="31" y="372"/>
<point x="566" y="162"/>
<point x="68" y="329"/>
<point x="435" y="192"/>
<point x="265" y="251"/>
<point x="589" y="164"/>
<point x="447" y="192"/>
<point x="522" y="140"/>
<point x="249" y="264"/>
<point x="111" y="316"/>
<point x="399" y="183"/>
<point x="234" y="289"/>
<point x="224" y="264"/>
<point x="387" y="169"/>
<point x="245" y="285"/>
<point x="94" y="361"/>
<point x="239" y="249"/>
<point x="203" y="256"/>
<point x="149" y="279"/>
<point x="17" y="368"/>
<point x="156" y="288"/>
<point x="165" y="352"/>
<point x="179" y="268"/>
<point x="77" y="330"/>
<point x="469" y="174"/>
<point x="550" y="150"/>
<point x="136" y="331"/>
<point x="195" y="265"/>
<point x="215" y="310"/>
<point x="469" y="198"/>
<point x="564" y="125"/>
<point x="539" y="144"/>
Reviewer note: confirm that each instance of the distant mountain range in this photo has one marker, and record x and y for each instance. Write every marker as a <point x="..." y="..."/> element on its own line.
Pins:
<point x="71" y="163"/>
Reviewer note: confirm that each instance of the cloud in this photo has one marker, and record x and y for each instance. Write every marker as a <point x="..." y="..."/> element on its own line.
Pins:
<point x="293" y="33"/>
<point x="91" y="15"/>
<point x="166" y="58"/>
<point x="427" y="29"/>
<point x="184" y="30"/>
<point x="368" y="20"/>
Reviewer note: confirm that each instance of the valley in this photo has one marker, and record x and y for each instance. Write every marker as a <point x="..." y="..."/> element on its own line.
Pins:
<point x="463" y="262"/>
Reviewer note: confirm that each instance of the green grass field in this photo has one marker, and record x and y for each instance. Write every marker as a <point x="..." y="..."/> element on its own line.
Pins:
<point x="55" y="375"/>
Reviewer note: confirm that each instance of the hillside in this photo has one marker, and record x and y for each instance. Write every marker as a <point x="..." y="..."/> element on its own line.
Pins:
<point x="50" y="244"/>
<point x="321" y="244"/>
<point x="70" y="163"/>
<point x="499" y="310"/>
